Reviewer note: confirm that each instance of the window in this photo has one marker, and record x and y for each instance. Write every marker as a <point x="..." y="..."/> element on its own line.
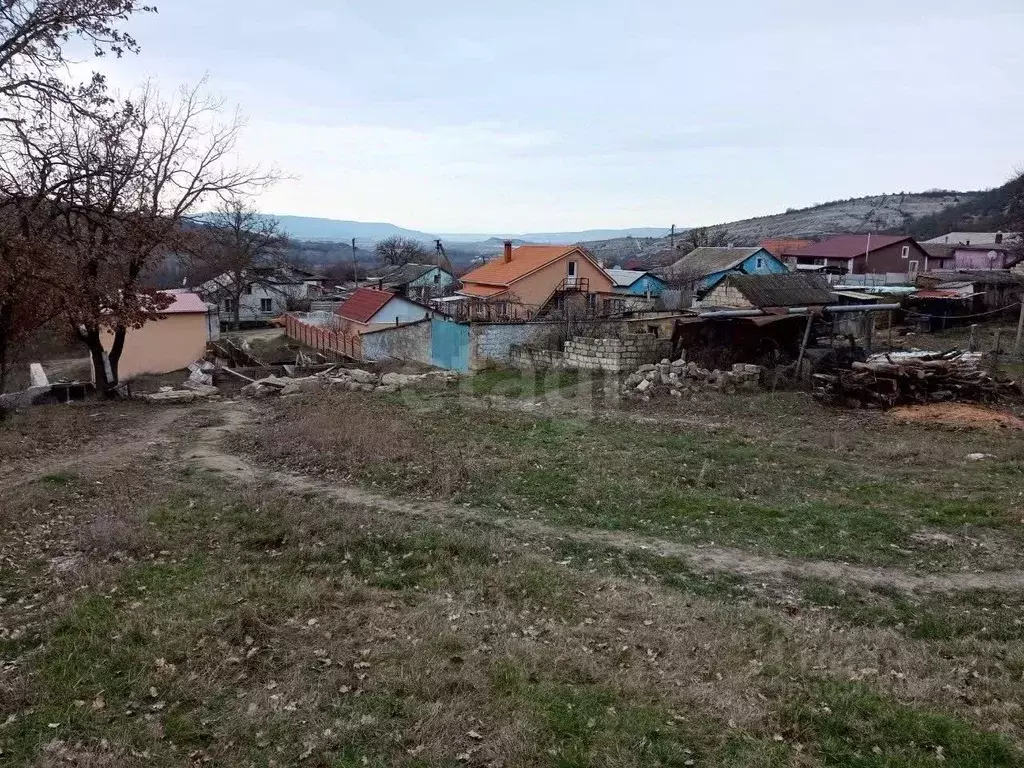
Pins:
<point x="437" y="279"/>
<point x="592" y="301"/>
<point x="248" y="290"/>
<point x="229" y="305"/>
<point x="912" y="268"/>
<point x="571" y="273"/>
<point x="266" y="305"/>
<point x="905" y="253"/>
<point x="759" y="263"/>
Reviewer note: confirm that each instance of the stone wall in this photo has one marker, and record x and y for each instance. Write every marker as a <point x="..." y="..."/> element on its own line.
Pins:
<point x="491" y="343"/>
<point x="402" y="342"/>
<point x="725" y="294"/>
<point x="529" y="358"/>
<point x="615" y="355"/>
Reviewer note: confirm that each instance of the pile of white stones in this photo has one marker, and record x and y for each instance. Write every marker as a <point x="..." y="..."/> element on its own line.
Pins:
<point x="678" y="378"/>
<point x="352" y="380"/>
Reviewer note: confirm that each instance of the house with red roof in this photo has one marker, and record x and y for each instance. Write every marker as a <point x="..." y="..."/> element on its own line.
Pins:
<point x="531" y="280"/>
<point x="369" y="309"/>
<point x="862" y="254"/>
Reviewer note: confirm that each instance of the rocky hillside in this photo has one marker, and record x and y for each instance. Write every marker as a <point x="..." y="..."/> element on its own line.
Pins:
<point x="879" y="213"/>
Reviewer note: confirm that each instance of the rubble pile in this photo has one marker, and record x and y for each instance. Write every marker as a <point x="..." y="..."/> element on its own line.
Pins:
<point x="679" y="378"/>
<point x="352" y="380"/>
<point x="912" y="378"/>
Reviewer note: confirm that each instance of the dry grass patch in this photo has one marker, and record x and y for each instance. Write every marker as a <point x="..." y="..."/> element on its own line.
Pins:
<point x="42" y="432"/>
<point x="278" y="628"/>
<point x="750" y="487"/>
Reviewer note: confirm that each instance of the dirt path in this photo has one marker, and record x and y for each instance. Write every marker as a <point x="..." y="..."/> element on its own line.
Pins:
<point x="209" y="452"/>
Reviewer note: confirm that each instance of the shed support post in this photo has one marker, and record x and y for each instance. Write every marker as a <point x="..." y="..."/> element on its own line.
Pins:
<point x="1020" y="329"/>
<point x="803" y="344"/>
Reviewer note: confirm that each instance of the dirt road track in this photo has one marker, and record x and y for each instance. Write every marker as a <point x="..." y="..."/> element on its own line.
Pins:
<point x="208" y="451"/>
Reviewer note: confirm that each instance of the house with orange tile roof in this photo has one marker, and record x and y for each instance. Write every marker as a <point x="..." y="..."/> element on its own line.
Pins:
<point x="532" y="280"/>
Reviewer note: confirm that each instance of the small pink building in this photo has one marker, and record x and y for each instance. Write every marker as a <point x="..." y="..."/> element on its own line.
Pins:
<point x="169" y="343"/>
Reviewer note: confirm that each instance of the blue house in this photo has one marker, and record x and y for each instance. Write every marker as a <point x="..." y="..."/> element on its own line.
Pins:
<point x="420" y="281"/>
<point x="636" y="282"/>
<point x="704" y="268"/>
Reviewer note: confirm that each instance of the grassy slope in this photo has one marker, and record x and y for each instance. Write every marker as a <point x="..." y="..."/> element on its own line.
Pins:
<point x="849" y="491"/>
<point x="151" y="615"/>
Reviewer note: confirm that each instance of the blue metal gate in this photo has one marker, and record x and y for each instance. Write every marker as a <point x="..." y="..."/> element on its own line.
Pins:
<point x="449" y="345"/>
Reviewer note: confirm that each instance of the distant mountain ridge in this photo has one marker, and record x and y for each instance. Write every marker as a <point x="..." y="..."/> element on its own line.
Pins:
<point x="340" y="230"/>
<point x="313" y="228"/>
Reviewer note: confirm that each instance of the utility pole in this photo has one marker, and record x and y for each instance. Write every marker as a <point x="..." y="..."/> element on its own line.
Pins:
<point x="355" y="264"/>
<point x="672" y="237"/>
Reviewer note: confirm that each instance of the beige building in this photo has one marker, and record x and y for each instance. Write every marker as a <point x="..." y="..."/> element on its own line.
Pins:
<point x="169" y="343"/>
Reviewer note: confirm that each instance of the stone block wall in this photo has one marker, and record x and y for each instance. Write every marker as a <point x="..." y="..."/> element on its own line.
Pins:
<point x="528" y="358"/>
<point x="492" y="343"/>
<point x="615" y="355"/>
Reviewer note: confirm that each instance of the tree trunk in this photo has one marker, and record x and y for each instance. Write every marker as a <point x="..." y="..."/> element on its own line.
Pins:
<point x="103" y="373"/>
<point x="114" y="356"/>
<point x="6" y="329"/>
<point x="237" y="320"/>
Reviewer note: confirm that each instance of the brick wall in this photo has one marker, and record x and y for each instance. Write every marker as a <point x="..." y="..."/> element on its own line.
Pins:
<point x="403" y="342"/>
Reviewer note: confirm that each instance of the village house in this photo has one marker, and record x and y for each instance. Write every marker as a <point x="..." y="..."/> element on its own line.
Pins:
<point x="370" y="309"/>
<point x="636" y="282"/>
<point x="170" y="342"/>
<point x="267" y="292"/>
<point x="864" y="254"/>
<point x="973" y="251"/>
<point x="417" y="281"/>
<point x="533" y="280"/>
<point x="703" y="268"/>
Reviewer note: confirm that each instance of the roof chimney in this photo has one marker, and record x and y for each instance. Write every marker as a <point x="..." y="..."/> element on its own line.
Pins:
<point x="508" y="251"/>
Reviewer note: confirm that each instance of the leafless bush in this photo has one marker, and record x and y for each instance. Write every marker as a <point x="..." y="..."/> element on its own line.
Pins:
<point x="112" y="534"/>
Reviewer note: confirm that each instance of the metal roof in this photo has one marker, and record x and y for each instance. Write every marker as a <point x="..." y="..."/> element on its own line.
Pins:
<point x="986" y="276"/>
<point x="972" y="238"/>
<point x="405" y="274"/>
<point x="184" y="303"/>
<point x="787" y="290"/>
<point x="363" y="304"/>
<point x="847" y="246"/>
<point x="623" y="278"/>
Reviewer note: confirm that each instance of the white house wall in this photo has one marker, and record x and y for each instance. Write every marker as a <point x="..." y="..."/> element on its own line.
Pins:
<point x="398" y="310"/>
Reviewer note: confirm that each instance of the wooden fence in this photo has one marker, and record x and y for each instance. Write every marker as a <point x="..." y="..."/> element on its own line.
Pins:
<point x="324" y="339"/>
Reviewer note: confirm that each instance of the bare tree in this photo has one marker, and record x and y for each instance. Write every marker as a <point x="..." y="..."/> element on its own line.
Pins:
<point x="118" y="185"/>
<point x="232" y="242"/>
<point x="396" y="251"/>
<point x="1015" y="214"/>
<point x="33" y="36"/>
<point x="703" y="237"/>
<point x="34" y="78"/>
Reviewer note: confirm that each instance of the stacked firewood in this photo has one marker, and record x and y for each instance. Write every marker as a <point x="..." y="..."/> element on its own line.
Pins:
<point x="902" y="378"/>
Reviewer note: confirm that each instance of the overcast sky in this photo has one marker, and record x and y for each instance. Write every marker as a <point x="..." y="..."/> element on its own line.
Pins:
<point x="532" y="115"/>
